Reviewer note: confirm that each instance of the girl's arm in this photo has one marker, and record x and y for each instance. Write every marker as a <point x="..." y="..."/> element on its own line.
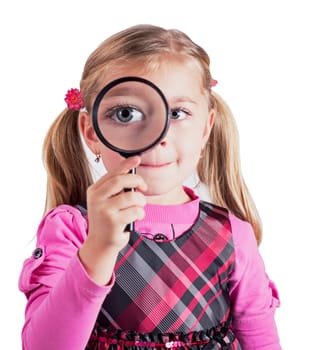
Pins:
<point x="63" y="301"/>
<point x="254" y="297"/>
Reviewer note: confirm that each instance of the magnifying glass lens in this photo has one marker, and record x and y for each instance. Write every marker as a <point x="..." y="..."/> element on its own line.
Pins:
<point x="130" y="115"/>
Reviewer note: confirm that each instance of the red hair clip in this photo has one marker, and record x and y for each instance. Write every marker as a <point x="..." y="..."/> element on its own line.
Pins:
<point x="74" y="99"/>
<point x="214" y="82"/>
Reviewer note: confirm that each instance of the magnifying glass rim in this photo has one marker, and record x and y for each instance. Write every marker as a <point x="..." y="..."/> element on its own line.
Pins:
<point x="98" y="100"/>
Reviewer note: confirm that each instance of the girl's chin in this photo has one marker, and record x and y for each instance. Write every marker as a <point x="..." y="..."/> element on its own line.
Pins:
<point x="166" y="196"/>
<point x="152" y="193"/>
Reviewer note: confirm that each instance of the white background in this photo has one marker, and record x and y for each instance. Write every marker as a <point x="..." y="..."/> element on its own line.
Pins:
<point x="271" y="60"/>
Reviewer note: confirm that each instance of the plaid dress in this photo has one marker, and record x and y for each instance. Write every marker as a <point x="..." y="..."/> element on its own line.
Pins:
<point x="172" y="294"/>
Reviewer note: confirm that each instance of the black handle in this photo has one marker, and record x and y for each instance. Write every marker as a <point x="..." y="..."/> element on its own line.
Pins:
<point x="130" y="227"/>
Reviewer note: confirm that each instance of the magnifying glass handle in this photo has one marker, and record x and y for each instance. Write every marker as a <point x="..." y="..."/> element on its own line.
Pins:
<point x="130" y="227"/>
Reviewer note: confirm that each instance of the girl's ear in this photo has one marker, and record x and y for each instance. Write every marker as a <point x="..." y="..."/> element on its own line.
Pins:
<point x="88" y="132"/>
<point x="208" y="126"/>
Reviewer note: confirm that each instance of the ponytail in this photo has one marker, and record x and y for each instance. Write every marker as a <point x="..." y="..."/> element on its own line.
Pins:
<point x="66" y="163"/>
<point x="219" y="168"/>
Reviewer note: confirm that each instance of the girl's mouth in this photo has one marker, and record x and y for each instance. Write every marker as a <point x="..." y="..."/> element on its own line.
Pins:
<point x="154" y="165"/>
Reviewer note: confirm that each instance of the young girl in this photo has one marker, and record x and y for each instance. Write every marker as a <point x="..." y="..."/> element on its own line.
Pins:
<point x="190" y="275"/>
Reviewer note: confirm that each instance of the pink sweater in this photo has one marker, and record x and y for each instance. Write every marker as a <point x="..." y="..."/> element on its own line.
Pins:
<point x="63" y="302"/>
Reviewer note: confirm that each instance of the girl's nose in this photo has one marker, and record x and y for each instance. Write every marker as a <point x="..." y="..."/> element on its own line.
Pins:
<point x="166" y="138"/>
<point x="163" y="142"/>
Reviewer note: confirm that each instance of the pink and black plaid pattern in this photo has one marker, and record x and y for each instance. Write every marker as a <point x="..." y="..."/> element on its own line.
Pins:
<point x="174" y="287"/>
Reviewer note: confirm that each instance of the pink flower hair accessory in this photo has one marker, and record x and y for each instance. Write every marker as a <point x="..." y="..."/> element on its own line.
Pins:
<point x="74" y="99"/>
<point x="213" y="83"/>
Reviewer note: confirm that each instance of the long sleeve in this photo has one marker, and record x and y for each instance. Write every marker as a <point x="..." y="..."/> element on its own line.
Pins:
<point x="253" y="295"/>
<point x="63" y="302"/>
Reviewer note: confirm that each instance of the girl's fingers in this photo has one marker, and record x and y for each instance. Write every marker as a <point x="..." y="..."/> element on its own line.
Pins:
<point x="117" y="212"/>
<point x="116" y="184"/>
<point x="111" y="205"/>
<point x="122" y="209"/>
<point x="126" y="200"/>
<point x="131" y="214"/>
<point x="124" y="167"/>
<point x="119" y="179"/>
<point x="126" y="215"/>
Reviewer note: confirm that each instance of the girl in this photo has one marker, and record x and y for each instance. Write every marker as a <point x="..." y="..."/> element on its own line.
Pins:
<point x="190" y="274"/>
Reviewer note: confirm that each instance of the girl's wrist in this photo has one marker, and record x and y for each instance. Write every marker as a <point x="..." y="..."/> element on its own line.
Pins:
<point x="98" y="260"/>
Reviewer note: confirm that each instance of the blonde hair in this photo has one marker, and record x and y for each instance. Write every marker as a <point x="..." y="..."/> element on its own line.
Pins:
<point x="66" y="163"/>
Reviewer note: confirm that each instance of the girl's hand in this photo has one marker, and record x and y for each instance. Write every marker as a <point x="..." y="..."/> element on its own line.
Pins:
<point x="111" y="208"/>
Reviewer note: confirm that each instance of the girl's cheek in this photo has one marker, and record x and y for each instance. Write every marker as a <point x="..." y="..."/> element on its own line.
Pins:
<point x="111" y="159"/>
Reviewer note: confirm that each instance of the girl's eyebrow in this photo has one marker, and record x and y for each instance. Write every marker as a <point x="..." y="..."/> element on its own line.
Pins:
<point x="181" y="99"/>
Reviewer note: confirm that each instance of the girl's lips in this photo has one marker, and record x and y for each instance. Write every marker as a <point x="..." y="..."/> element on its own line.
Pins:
<point x="152" y="165"/>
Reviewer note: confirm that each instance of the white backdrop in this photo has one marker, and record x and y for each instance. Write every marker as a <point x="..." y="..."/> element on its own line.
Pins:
<point x="271" y="61"/>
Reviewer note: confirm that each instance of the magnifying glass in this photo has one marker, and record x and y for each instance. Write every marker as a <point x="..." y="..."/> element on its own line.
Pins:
<point x="130" y="115"/>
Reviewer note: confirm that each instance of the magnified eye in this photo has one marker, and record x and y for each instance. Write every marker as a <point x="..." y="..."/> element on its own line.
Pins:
<point x="125" y="114"/>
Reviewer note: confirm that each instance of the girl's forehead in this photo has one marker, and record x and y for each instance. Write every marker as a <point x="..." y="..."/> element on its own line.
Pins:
<point x="151" y="63"/>
<point x="168" y="74"/>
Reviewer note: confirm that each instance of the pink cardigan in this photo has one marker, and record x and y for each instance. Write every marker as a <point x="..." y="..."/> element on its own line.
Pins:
<point x="63" y="302"/>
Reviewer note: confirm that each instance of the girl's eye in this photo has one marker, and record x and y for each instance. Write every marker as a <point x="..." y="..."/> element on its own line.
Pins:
<point x="178" y="114"/>
<point x="125" y="115"/>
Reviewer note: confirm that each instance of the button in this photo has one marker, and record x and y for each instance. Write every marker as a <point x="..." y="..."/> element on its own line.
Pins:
<point x="160" y="237"/>
<point x="37" y="253"/>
